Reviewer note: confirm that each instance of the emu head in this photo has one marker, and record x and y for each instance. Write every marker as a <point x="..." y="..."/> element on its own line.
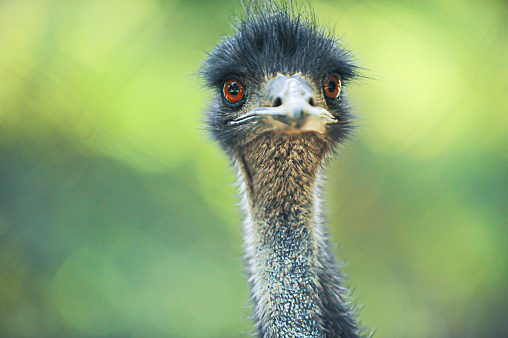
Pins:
<point x="279" y="74"/>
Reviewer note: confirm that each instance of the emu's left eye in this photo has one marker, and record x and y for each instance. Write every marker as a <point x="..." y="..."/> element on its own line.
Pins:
<point x="233" y="91"/>
<point x="332" y="87"/>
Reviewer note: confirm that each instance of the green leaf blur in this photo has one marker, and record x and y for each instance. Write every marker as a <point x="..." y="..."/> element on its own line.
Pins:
<point x="118" y="215"/>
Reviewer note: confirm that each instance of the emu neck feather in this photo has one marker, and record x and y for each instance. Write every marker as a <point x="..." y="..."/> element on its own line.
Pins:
<point x="282" y="236"/>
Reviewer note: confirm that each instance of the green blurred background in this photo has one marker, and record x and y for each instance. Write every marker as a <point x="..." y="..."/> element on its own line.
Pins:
<point x="118" y="216"/>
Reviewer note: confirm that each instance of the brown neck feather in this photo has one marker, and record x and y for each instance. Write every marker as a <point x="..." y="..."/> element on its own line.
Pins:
<point x="296" y="285"/>
<point x="280" y="171"/>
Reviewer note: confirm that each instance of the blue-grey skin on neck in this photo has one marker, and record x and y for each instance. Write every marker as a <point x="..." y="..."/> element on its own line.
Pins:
<point x="280" y="138"/>
<point x="282" y="238"/>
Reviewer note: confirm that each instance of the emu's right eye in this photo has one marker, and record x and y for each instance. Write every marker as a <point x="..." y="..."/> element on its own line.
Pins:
<point x="233" y="91"/>
<point x="332" y="87"/>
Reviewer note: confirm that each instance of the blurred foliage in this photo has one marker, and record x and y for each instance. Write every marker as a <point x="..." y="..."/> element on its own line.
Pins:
<point x="118" y="216"/>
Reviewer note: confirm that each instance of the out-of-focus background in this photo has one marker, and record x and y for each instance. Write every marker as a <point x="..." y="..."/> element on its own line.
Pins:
<point x="118" y="216"/>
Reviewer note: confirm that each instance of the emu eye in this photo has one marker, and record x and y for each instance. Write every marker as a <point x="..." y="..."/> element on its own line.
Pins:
<point x="332" y="87"/>
<point x="233" y="91"/>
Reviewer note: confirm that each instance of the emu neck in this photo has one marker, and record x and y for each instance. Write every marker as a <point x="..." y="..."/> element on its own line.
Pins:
<point x="283" y="252"/>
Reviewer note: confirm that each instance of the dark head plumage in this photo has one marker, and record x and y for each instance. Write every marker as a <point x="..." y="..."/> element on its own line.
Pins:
<point x="275" y="38"/>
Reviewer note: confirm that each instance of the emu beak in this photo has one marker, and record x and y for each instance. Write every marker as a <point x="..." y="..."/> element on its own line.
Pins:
<point x="292" y="107"/>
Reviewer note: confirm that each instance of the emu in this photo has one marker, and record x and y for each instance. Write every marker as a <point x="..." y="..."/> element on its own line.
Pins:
<point x="279" y="111"/>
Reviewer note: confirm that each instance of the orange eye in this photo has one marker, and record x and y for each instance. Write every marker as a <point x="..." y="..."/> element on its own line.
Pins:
<point x="233" y="91"/>
<point x="332" y="87"/>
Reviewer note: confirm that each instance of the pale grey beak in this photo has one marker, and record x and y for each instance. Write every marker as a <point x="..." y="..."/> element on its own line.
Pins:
<point x="292" y="107"/>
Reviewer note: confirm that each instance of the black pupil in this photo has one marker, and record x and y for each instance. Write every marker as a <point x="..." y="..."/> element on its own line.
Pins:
<point x="234" y="88"/>
<point x="332" y="86"/>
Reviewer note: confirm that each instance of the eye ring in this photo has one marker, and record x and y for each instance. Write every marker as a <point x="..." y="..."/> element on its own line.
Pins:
<point x="233" y="91"/>
<point x="332" y="87"/>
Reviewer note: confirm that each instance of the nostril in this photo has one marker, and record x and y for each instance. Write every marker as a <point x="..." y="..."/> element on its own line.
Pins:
<point x="311" y="101"/>
<point x="277" y="102"/>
